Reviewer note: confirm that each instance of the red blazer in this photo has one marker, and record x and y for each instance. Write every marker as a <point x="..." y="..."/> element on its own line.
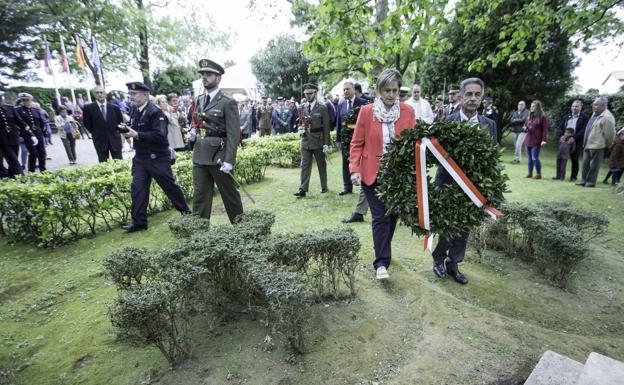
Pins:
<point x="367" y="143"/>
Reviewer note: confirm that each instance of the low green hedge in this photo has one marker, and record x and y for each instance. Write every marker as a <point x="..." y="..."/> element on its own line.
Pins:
<point x="221" y="270"/>
<point x="552" y="236"/>
<point x="284" y="150"/>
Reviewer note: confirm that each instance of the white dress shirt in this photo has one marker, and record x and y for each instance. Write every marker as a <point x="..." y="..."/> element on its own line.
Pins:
<point x="422" y="109"/>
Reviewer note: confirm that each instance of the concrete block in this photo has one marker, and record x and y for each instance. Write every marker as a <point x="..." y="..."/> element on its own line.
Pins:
<point x="555" y="369"/>
<point x="601" y="370"/>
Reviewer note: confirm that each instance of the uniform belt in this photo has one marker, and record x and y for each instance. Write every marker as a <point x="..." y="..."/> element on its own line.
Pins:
<point x="216" y="136"/>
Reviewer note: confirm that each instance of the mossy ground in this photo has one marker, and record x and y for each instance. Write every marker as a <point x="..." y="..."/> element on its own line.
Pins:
<point x="414" y="329"/>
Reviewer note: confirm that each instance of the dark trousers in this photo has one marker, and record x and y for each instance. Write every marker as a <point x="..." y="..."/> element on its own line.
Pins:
<point x="204" y="180"/>
<point x="453" y="248"/>
<point x="574" y="159"/>
<point x="592" y="160"/>
<point x="383" y="227"/>
<point x="306" y="167"/>
<point x="561" y="168"/>
<point x="346" y="174"/>
<point x="70" y="147"/>
<point x="103" y="155"/>
<point x="615" y="175"/>
<point x="37" y="153"/>
<point x="143" y="170"/>
<point x="9" y="153"/>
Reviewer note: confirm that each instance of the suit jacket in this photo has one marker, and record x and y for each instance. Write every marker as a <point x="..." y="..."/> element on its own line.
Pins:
<point x="342" y="111"/>
<point x="442" y="177"/>
<point x="579" y="130"/>
<point x="367" y="143"/>
<point x="220" y="118"/>
<point x="11" y="126"/>
<point x="104" y="132"/>
<point x="316" y="133"/>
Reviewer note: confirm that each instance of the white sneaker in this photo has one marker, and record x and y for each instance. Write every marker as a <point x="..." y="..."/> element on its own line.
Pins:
<point x="382" y="273"/>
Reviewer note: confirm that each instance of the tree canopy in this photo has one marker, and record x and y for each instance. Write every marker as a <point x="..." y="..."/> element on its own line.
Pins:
<point x="174" y="79"/>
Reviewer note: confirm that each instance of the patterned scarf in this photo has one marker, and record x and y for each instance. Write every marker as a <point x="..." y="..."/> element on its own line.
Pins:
<point x="384" y="116"/>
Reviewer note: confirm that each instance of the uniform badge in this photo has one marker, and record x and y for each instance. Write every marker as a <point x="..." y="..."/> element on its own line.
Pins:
<point x="161" y="118"/>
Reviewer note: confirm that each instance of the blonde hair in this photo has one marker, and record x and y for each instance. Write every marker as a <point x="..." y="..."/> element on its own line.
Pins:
<point x="388" y="76"/>
<point x="160" y="98"/>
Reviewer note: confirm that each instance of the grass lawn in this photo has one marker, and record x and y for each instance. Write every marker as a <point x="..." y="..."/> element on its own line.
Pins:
<point x="413" y="329"/>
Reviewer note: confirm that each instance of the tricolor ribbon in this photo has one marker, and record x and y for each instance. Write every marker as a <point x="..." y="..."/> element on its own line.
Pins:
<point x="422" y="190"/>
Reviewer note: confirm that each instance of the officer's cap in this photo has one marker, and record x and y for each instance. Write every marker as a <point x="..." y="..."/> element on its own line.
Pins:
<point x="453" y="89"/>
<point x="404" y="90"/>
<point x="620" y="131"/>
<point x="137" y="86"/>
<point x="440" y="98"/>
<point x="280" y="98"/>
<point x="264" y="97"/>
<point x="310" y="86"/>
<point x="206" y="65"/>
<point x="488" y="98"/>
<point x="24" y="95"/>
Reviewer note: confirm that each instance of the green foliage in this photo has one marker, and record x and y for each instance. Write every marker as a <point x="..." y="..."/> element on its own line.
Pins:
<point x="281" y="67"/>
<point x="183" y="227"/>
<point x="508" y="75"/>
<point x="552" y="236"/>
<point x="451" y="210"/>
<point x="176" y="79"/>
<point x="61" y="206"/>
<point x="616" y="106"/>
<point x="220" y="269"/>
<point x="348" y="127"/>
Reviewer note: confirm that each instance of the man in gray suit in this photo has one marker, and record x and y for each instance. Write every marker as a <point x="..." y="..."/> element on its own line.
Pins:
<point x="314" y="140"/>
<point x="450" y="251"/>
<point x="216" y="141"/>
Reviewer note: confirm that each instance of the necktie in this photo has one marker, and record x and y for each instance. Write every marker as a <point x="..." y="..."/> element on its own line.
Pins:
<point x="207" y="101"/>
<point x="349" y="107"/>
<point x="309" y="108"/>
<point x="103" y="109"/>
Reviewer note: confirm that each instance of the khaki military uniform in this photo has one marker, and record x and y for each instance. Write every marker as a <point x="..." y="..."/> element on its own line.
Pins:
<point x="315" y="136"/>
<point x="264" y="115"/>
<point x="217" y="142"/>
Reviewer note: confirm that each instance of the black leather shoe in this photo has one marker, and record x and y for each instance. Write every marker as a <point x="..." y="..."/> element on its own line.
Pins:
<point x="355" y="217"/>
<point x="438" y="270"/>
<point x="324" y="190"/>
<point x="345" y="193"/>
<point x="589" y="185"/>
<point x="582" y="184"/>
<point x="458" y="276"/>
<point x="572" y="179"/>
<point x="186" y="212"/>
<point x="300" y="194"/>
<point x="131" y="228"/>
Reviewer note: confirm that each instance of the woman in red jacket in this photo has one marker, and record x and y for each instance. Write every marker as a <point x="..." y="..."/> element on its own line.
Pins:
<point x="536" y="127"/>
<point x="376" y="125"/>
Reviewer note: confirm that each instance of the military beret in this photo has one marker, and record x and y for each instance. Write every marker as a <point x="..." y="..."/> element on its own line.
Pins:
<point x="206" y="65"/>
<point x="310" y="86"/>
<point x="137" y="86"/>
<point x="24" y="95"/>
<point x="453" y="89"/>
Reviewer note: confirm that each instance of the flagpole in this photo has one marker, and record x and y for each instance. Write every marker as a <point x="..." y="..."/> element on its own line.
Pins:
<point x="81" y="63"/>
<point x="65" y="67"/>
<point x="50" y="68"/>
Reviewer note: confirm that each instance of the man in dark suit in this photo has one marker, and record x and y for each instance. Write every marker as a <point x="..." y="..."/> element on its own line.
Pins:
<point x="152" y="157"/>
<point x="314" y="140"/>
<point x="33" y="118"/>
<point x="577" y="121"/>
<point x="101" y="120"/>
<point x="12" y="127"/>
<point x="216" y="142"/>
<point x="450" y="251"/>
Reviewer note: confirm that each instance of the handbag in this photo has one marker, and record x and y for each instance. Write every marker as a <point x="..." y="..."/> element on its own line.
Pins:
<point x="75" y="132"/>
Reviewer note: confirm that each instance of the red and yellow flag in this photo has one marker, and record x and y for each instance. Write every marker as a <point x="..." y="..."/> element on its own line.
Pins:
<point x="79" y="54"/>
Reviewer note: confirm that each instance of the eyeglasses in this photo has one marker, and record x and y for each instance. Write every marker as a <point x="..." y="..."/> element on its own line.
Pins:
<point x="309" y="93"/>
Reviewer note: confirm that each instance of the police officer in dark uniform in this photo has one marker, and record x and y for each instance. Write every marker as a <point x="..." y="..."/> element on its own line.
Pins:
<point x="152" y="157"/>
<point x="314" y="140"/>
<point x="216" y="142"/>
<point x="11" y="128"/>
<point x="33" y="118"/>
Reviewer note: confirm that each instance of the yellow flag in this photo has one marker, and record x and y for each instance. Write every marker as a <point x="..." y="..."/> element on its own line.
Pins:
<point x="79" y="56"/>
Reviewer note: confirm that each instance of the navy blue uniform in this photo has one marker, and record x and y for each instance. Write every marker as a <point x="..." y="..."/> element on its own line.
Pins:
<point x="152" y="160"/>
<point x="33" y="118"/>
<point x="11" y="128"/>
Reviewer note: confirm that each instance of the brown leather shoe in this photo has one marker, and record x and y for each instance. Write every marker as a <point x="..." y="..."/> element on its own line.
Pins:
<point x="529" y="176"/>
<point x="538" y="176"/>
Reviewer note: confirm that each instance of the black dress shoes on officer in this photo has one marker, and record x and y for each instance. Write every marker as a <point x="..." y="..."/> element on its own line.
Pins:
<point x="355" y="217"/>
<point x="300" y="194"/>
<point x="458" y="276"/>
<point x="323" y="191"/>
<point x="345" y="193"/>
<point x="131" y="228"/>
<point x="438" y="270"/>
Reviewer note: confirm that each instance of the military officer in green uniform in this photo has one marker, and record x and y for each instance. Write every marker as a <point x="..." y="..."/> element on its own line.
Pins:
<point x="314" y="139"/>
<point x="216" y="141"/>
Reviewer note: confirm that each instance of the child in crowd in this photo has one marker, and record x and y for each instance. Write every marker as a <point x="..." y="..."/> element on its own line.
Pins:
<point x="616" y="160"/>
<point x="566" y="147"/>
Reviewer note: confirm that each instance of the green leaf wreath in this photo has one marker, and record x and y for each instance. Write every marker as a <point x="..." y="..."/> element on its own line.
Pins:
<point x="450" y="208"/>
<point x="348" y="126"/>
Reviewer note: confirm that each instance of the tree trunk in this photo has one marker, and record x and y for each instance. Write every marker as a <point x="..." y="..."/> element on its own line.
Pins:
<point x="144" y="64"/>
<point x="381" y="13"/>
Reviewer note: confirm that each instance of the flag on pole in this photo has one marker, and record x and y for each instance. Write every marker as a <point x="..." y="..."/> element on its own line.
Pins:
<point x="95" y="56"/>
<point x="80" y="60"/>
<point x="64" y="62"/>
<point x="47" y="57"/>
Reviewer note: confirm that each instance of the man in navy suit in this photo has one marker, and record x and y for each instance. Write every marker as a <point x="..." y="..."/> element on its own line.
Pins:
<point x="101" y="120"/>
<point x="450" y="251"/>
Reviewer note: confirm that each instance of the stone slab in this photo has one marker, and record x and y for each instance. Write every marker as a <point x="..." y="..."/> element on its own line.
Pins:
<point x="555" y="369"/>
<point x="601" y="370"/>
